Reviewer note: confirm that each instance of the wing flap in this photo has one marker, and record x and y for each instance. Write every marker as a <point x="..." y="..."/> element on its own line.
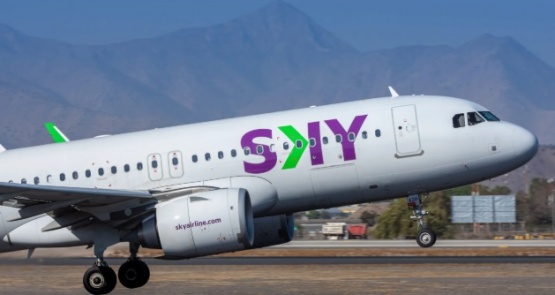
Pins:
<point x="66" y="220"/>
<point x="39" y="209"/>
<point x="103" y="204"/>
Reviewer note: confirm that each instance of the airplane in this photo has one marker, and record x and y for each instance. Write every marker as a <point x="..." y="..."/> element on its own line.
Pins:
<point x="233" y="184"/>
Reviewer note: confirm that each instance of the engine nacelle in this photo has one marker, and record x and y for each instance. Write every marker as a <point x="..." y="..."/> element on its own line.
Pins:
<point x="200" y="224"/>
<point x="273" y="230"/>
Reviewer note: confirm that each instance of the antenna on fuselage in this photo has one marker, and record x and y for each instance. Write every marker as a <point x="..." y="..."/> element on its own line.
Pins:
<point x="393" y="92"/>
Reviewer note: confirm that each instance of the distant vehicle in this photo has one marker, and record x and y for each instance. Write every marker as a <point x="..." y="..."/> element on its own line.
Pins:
<point x="344" y="231"/>
<point x="357" y="231"/>
<point x="334" y="230"/>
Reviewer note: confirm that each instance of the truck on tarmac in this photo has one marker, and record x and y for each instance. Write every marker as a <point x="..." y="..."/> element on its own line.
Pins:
<point x="344" y="231"/>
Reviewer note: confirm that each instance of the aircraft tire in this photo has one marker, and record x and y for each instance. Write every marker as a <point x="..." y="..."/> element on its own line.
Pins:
<point x="426" y="238"/>
<point x="133" y="274"/>
<point x="99" y="280"/>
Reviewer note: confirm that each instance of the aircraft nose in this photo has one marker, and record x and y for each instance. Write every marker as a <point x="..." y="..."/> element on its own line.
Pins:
<point x="525" y="144"/>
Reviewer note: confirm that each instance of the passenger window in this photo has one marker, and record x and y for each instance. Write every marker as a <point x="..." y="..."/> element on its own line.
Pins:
<point x="364" y="135"/>
<point x="126" y="168"/>
<point x="207" y="156"/>
<point x="312" y="142"/>
<point x="285" y="145"/>
<point x="220" y="155"/>
<point x="24" y="181"/>
<point x="325" y="140"/>
<point x="195" y="158"/>
<point x="247" y="151"/>
<point x="114" y="169"/>
<point x="474" y="118"/>
<point x="75" y="175"/>
<point x="299" y="144"/>
<point x="154" y="164"/>
<point x="259" y="149"/>
<point x="62" y="177"/>
<point x="378" y="133"/>
<point x="233" y="153"/>
<point x="88" y="173"/>
<point x="139" y="166"/>
<point x="338" y="138"/>
<point x="100" y="171"/>
<point x="458" y="121"/>
<point x="49" y="178"/>
<point x="175" y="161"/>
<point x="36" y="180"/>
<point x="351" y="136"/>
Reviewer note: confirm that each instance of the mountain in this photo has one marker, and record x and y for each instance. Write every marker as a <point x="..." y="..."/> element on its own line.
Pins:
<point x="272" y="59"/>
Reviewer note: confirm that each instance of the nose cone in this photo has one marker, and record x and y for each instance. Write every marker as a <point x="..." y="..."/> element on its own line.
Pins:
<point x="525" y="145"/>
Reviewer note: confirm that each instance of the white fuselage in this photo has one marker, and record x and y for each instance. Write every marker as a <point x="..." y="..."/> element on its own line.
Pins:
<point x="400" y="146"/>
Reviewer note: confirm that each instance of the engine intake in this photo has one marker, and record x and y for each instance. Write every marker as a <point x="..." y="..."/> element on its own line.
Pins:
<point x="201" y="224"/>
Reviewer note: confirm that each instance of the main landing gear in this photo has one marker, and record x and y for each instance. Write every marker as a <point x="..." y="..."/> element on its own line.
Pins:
<point x="101" y="279"/>
<point x="425" y="237"/>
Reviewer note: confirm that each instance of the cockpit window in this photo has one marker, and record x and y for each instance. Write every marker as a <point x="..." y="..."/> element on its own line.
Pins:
<point x="489" y="116"/>
<point x="458" y="120"/>
<point x="474" y="118"/>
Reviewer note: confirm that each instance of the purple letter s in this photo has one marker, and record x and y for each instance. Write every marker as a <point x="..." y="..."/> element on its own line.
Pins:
<point x="270" y="158"/>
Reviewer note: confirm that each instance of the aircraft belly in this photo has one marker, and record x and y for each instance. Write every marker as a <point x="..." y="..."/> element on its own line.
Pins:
<point x="336" y="185"/>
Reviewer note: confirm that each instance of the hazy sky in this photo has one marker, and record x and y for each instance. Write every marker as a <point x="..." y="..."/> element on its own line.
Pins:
<point x="365" y="24"/>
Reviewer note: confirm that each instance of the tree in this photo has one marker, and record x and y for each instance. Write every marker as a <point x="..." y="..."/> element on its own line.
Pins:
<point x="368" y="218"/>
<point x="395" y="222"/>
<point x="313" y="214"/>
<point x="536" y="208"/>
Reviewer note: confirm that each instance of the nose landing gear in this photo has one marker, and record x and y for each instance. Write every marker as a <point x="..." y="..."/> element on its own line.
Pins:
<point x="426" y="237"/>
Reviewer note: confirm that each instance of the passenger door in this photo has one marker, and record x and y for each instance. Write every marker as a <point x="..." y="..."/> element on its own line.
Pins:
<point x="407" y="136"/>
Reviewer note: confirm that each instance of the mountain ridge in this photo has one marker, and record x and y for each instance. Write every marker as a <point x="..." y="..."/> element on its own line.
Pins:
<point x="272" y="59"/>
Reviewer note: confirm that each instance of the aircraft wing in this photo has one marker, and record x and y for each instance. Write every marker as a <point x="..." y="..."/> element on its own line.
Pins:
<point x="112" y="206"/>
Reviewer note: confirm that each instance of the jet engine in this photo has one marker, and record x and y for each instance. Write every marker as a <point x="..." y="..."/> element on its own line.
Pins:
<point x="200" y="224"/>
<point x="273" y="230"/>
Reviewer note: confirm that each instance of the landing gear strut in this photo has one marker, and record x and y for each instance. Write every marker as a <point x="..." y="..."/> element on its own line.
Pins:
<point x="134" y="273"/>
<point x="425" y="237"/>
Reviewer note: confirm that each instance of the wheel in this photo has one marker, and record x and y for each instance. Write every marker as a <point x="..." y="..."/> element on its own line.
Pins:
<point x="426" y="238"/>
<point x="100" y="280"/>
<point x="133" y="274"/>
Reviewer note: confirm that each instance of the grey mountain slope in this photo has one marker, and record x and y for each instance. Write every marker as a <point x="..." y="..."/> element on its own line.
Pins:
<point x="272" y="59"/>
<point x="231" y="64"/>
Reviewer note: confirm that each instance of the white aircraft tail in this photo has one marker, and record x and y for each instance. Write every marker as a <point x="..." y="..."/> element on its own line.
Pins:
<point x="2" y="148"/>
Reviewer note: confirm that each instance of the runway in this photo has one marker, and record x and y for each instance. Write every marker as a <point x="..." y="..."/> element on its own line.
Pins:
<point x="412" y="244"/>
<point x="275" y="271"/>
<point x="250" y="261"/>
<point x="277" y="276"/>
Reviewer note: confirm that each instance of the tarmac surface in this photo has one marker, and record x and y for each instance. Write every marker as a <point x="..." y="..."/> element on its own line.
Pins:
<point x="505" y="269"/>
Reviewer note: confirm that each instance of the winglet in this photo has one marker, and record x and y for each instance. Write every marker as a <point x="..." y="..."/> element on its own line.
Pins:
<point x="393" y="92"/>
<point x="57" y="135"/>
